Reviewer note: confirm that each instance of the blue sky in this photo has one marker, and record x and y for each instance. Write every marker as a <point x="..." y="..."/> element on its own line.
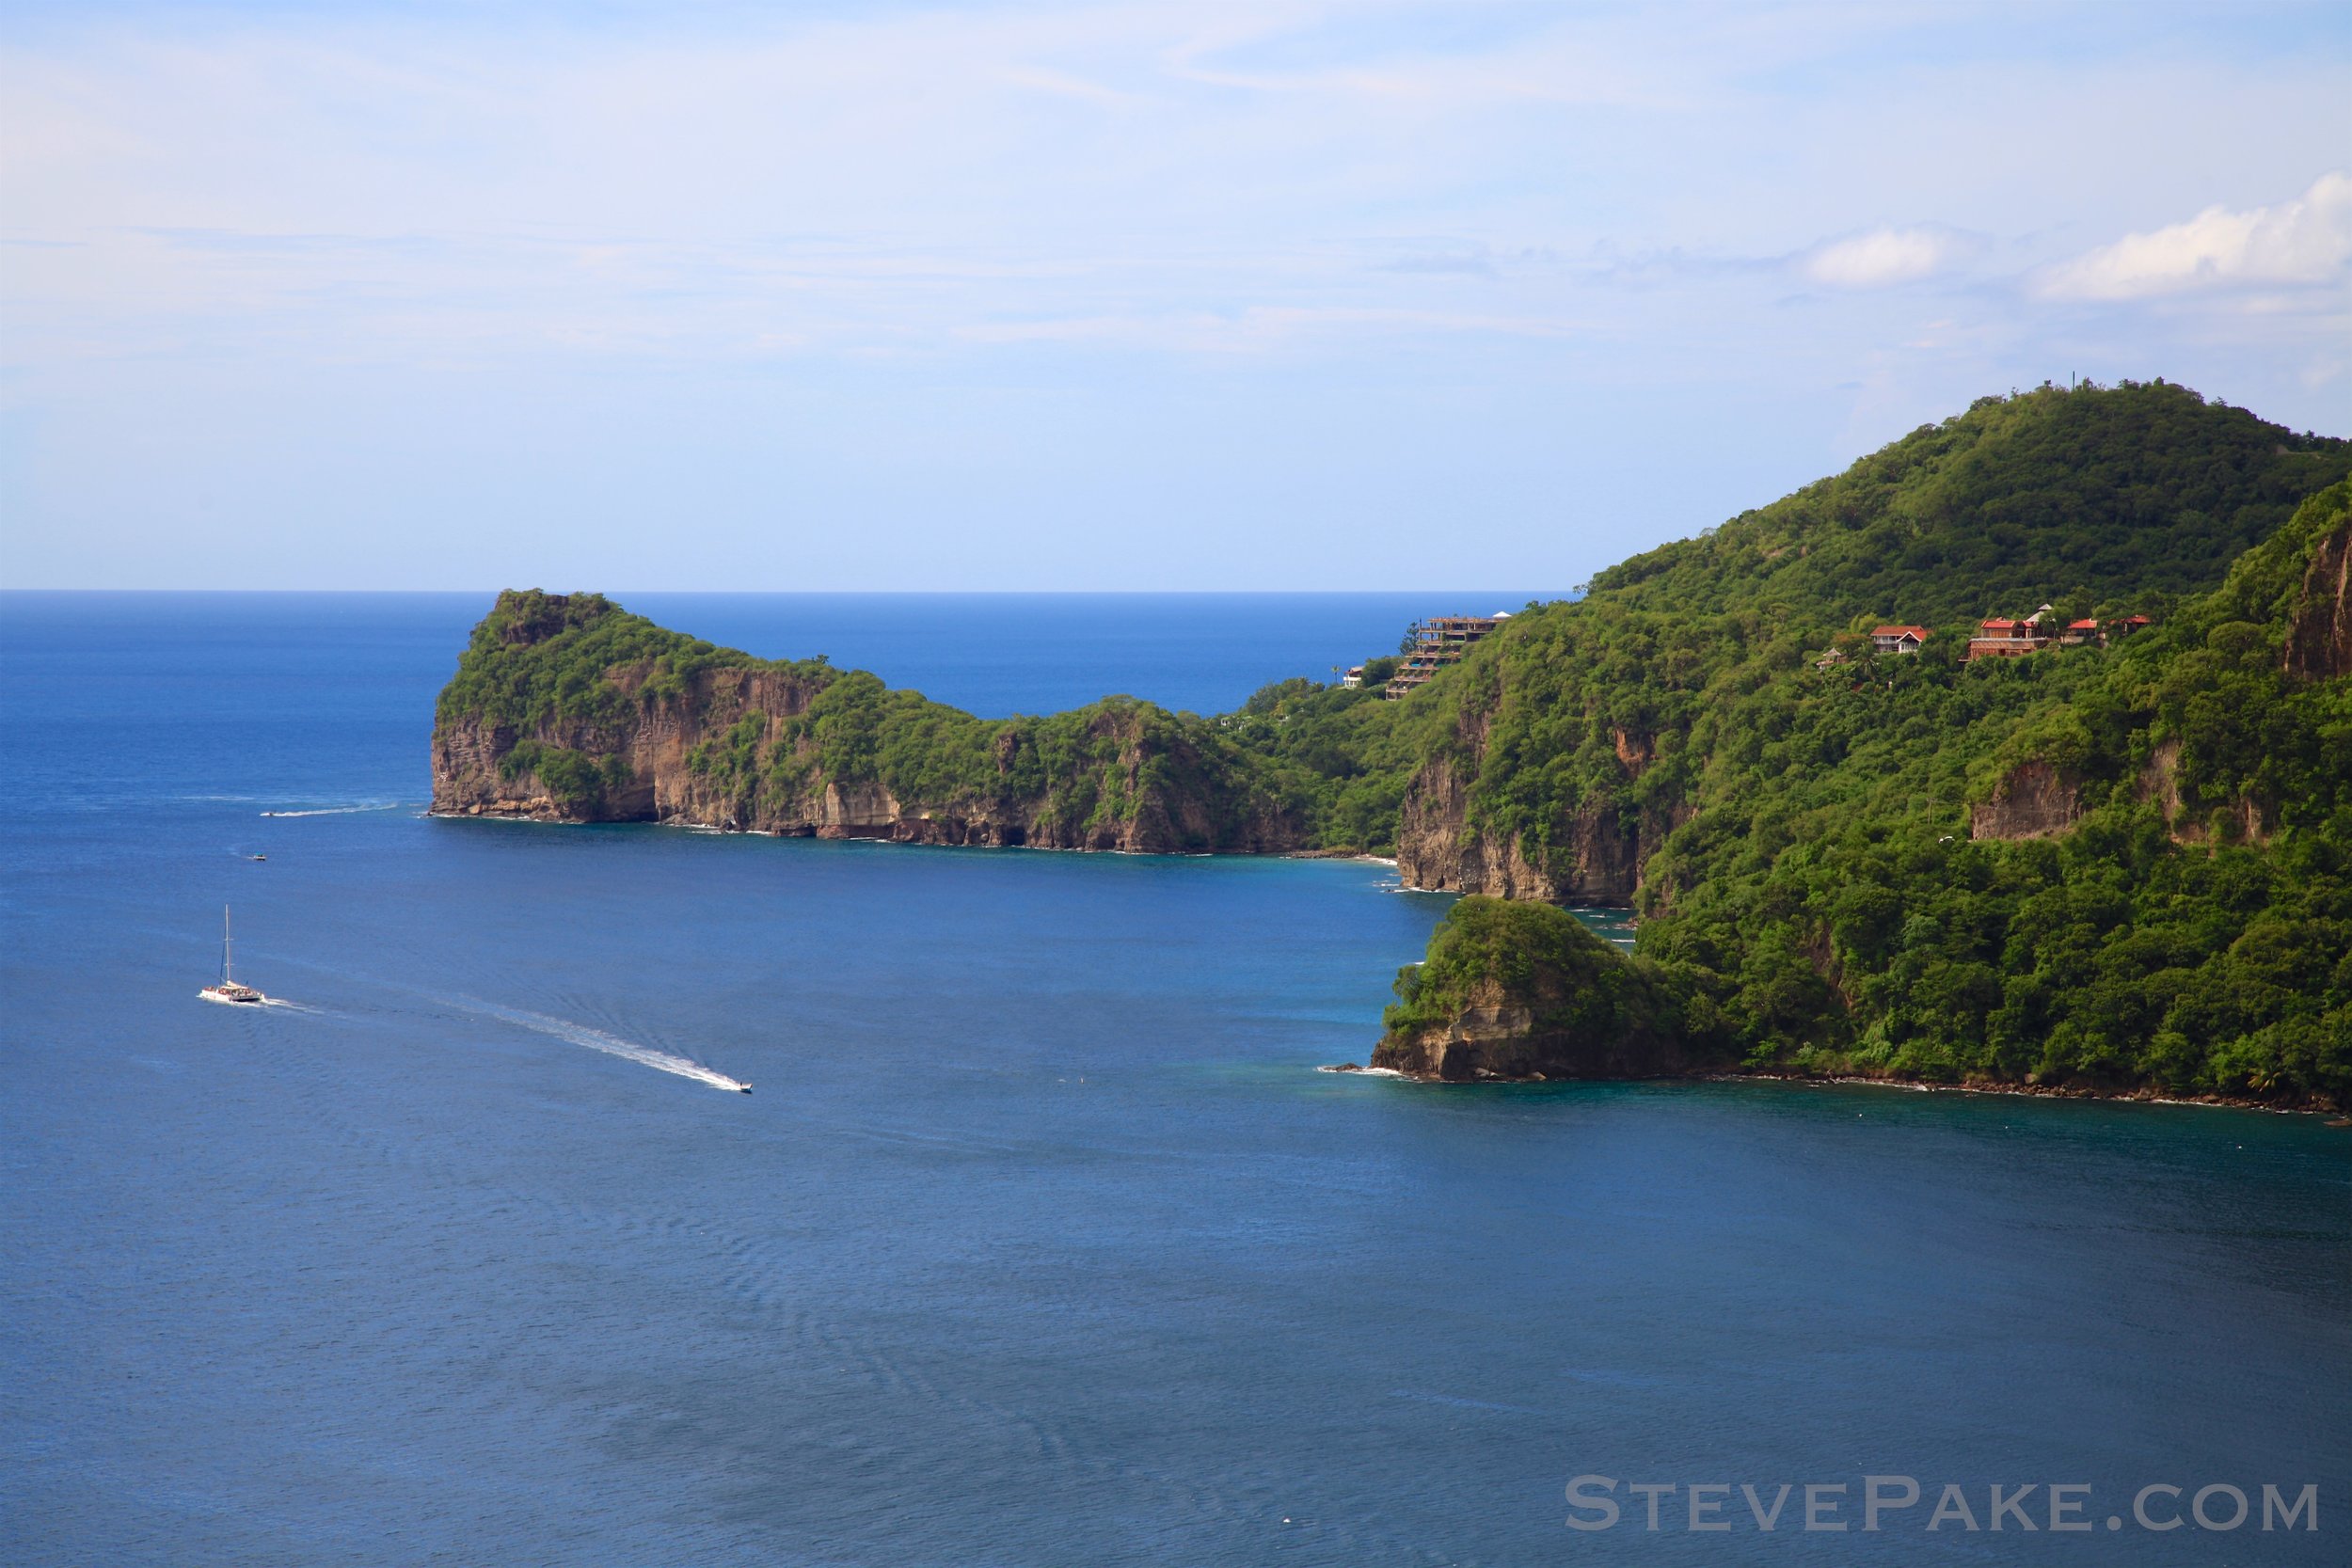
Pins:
<point x="1124" y="295"/>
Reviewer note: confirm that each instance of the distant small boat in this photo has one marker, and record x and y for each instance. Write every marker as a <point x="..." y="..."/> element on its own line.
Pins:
<point x="228" y="990"/>
<point x="257" y="857"/>
<point x="745" y="1087"/>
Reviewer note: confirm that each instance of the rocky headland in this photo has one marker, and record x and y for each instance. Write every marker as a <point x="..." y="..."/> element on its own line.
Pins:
<point x="566" y="709"/>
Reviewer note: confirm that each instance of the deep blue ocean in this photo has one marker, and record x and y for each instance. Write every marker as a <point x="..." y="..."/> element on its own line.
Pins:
<point x="1042" y="1241"/>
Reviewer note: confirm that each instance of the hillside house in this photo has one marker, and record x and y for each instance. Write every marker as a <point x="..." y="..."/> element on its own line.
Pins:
<point x="2000" y="638"/>
<point x="1898" y="640"/>
<point x="1440" y="641"/>
<point x="1354" y="678"/>
<point x="2078" y="633"/>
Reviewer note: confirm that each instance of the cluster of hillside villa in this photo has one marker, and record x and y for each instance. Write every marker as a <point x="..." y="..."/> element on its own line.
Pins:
<point x="1999" y="637"/>
<point x="1440" y="641"/>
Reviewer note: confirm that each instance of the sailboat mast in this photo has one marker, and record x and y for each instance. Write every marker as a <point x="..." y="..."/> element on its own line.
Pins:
<point x="226" y="978"/>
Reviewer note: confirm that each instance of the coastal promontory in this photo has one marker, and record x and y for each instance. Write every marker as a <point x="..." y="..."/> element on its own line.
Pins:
<point x="568" y="708"/>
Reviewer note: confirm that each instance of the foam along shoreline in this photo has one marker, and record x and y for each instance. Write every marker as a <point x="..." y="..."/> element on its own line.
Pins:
<point x="1906" y="1085"/>
<point x="679" y="824"/>
<point x="2024" y="1091"/>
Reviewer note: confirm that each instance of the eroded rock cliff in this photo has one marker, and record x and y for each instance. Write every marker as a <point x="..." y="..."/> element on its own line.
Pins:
<point x="2032" y="801"/>
<point x="2319" y="635"/>
<point x="1591" y="855"/>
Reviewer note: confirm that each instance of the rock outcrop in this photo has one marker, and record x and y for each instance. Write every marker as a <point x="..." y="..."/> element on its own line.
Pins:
<point x="1593" y="856"/>
<point x="2319" y="635"/>
<point x="2032" y="801"/>
<point x="648" y="752"/>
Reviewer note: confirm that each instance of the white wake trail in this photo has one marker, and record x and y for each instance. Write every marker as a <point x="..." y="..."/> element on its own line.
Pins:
<point x="611" y="1045"/>
<point x="334" y="811"/>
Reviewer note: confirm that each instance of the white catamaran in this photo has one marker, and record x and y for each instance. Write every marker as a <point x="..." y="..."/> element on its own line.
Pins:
<point x="229" y="990"/>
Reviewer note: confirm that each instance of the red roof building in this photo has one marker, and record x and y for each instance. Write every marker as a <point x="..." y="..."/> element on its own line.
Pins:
<point x="1898" y="640"/>
<point x="1999" y="637"/>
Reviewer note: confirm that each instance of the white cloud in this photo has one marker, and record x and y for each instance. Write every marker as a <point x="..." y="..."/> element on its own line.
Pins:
<point x="1884" y="257"/>
<point x="2305" y="241"/>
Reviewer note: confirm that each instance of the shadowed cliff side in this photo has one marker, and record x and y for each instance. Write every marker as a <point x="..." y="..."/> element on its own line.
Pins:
<point x="2319" y="639"/>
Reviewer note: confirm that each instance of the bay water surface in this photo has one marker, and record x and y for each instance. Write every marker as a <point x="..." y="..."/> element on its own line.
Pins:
<point x="1041" y="1241"/>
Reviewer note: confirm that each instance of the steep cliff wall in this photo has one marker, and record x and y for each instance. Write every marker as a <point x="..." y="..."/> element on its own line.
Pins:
<point x="1592" y="855"/>
<point x="485" y="766"/>
<point x="2319" y="637"/>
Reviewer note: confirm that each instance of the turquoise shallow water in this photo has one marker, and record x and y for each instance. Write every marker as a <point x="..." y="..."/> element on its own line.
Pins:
<point x="1041" y="1241"/>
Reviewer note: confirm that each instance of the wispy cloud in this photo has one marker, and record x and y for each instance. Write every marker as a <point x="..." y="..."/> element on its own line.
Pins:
<point x="1882" y="258"/>
<point x="2305" y="241"/>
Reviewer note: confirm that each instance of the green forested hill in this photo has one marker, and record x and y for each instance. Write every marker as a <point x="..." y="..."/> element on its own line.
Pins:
<point x="2096" y="499"/>
<point x="2107" y="495"/>
<point x="1844" y="887"/>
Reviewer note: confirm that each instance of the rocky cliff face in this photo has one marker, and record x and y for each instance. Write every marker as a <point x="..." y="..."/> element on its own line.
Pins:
<point x="1502" y="1036"/>
<point x="2034" y="800"/>
<point x="647" y="754"/>
<point x="657" y="784"/>
<point x="1593" y="857"/>
<point x="2319" y="638"/>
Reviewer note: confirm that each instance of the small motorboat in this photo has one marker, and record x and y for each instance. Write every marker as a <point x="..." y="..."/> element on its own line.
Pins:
<point x="228" y="990"/>
<point x="744" y="1087"/>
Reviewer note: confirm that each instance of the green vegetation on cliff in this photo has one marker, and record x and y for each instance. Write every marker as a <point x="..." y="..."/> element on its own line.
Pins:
<point x="539" y="658"/>
<point x="1073" y="776"/>
<point x="1586" y="1010"/>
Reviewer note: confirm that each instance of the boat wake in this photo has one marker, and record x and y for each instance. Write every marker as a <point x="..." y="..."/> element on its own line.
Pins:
<point x="611" y="1045"/>
<point x="335" y="811"/>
